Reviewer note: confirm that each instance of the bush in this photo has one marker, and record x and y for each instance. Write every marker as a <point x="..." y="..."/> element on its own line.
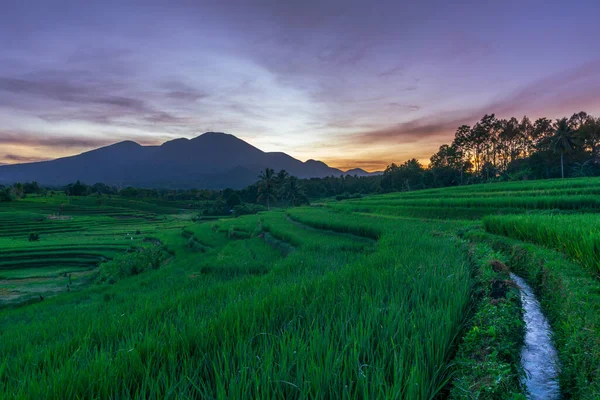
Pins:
<point x="233" y="200"/>
<point x="347" y="196"/>
<point x="132" y="263"/>
<point x="247" y="209"/>
<point x="34" y="237"/>
<point x="5" y="195"/>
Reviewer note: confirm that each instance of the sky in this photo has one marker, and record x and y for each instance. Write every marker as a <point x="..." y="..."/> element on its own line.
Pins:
<point x="352" y="83"/>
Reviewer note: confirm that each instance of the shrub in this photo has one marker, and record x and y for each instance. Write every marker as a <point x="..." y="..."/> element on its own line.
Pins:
<point x="346" y="196"/>
<point x="248" y="209"/>
<point x="5" y="195"/>
<point x="132" y="263"/>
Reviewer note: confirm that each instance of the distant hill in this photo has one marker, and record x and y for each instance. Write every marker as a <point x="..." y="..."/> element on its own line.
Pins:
<point x="361" y="172"/>
<point x="213" y="160"/>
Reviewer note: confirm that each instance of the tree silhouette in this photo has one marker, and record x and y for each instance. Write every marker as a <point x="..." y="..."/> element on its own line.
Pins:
<point x="280" y="180"/>
<point x="563" y="141"/>
<point x="589" y="134"/>
<point x="233" y="200"/>
<point x="293" y="190"/>
<point x="267" y="186"/>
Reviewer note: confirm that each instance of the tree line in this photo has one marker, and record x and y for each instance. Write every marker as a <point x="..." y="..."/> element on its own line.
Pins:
<point x="20" y="190"/>
<point x="506" y="149"/>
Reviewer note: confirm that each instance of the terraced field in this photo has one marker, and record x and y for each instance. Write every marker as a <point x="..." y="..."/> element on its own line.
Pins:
<point x="385" y="296"/>
<point x="476" y="201"/>
<point x="71" y="245"/>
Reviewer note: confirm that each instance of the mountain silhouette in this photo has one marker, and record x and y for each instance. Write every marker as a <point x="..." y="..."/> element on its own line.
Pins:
<point x="361" y="172"/>
<point x="213" y="160"/>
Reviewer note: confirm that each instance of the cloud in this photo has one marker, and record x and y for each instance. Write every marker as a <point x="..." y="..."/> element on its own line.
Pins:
<point x="410" y="132"/>
<point x="14" y="158"/>
<point x="93" y="101"/>
<point x="581" y="82"/>
<point x="41" y="140"/>
<point x="183" y="92"/>
<point x="405" y="107"/>
<point x="547" y="93"/>
<point x="394" y="71"/>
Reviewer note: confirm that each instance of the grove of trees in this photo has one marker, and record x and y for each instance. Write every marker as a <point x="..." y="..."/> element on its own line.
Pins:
<point x="506" y="149"/>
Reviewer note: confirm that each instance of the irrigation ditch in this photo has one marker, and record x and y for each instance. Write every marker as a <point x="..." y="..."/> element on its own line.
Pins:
<point x="539" y="358"/>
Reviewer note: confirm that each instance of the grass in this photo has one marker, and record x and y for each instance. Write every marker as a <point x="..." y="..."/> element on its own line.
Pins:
<point x="373" y="297"/>
<point x="575" y="235"/>
<point x="487" y="361"/>
<point x="91" y="232"/>
<point x="188" y="327"/>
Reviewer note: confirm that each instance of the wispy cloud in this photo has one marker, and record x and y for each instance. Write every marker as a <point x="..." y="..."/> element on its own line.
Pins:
<point x="94" y="102"/>
<point x="548" y="93"/>
<point x="14" y="158"/>
<point x="33" y="139"/>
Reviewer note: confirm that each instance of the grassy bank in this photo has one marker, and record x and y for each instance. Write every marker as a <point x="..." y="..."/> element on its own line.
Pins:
<point x="570" y="298"/>
<point x="487" y="364"/>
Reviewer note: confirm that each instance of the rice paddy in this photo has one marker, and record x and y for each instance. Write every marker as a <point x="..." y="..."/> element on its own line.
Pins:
<point x="362" y="298"/>
<point x="74" y="238"/>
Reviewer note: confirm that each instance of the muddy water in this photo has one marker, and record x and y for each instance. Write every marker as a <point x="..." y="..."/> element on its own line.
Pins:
<point x="538" y="357"/>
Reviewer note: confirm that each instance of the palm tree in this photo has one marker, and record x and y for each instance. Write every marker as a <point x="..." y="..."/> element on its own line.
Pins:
<point x="292" y="190"/>
<point x="563" y="140"/>
<point x="266" y="186"/>
<point x="282" y="176"/>
<point x="280" y="180"/>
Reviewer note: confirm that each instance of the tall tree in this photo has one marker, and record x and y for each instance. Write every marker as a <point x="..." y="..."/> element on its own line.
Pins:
<point x="526" y="131"/>
<point x="279" y="180"/>
<point x="267" y="186"/>
<point x="563" y="141"/>
<point x="462" y="142"/>
<point x="448" y="166"/>
<point x="483" y="141"/>
<point x="293" y="190"/>
<point x="589" y="134"/>
<point x="509" y="141"/>
<point x="577" y="120"/>
<point x="17" y="190"/>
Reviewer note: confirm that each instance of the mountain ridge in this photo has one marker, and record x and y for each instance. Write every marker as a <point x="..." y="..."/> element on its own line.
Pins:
<point x="213" y="160"/>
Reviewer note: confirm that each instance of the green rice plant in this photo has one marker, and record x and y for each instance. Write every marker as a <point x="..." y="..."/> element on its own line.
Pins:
<point x="365" y="226"/>
<point x="575" y="235"/>
<point x="322" y="322"/>
<point x="525" y="202"/>
<point x="426" y="212"/>
<point x="286" y="229"/>
<point x="132" y="263"/>
<point x="369" y="304"/>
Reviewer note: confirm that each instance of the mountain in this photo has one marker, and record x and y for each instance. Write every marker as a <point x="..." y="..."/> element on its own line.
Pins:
<point x="361" y="172"/>
<point x="213" y="160"/>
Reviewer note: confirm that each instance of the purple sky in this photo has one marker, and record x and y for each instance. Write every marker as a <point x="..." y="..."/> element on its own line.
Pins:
<point x="353" y="83"/>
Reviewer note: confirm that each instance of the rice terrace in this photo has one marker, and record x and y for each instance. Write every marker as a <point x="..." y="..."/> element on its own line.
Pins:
<point x="383" y="296"/>
<point x="299" y="199"/>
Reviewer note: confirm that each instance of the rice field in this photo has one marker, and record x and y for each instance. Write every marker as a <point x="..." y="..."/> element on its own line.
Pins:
<point x="575" y="235"/>
<point x="74" y="239"/>
<point x="361" y="298"/>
